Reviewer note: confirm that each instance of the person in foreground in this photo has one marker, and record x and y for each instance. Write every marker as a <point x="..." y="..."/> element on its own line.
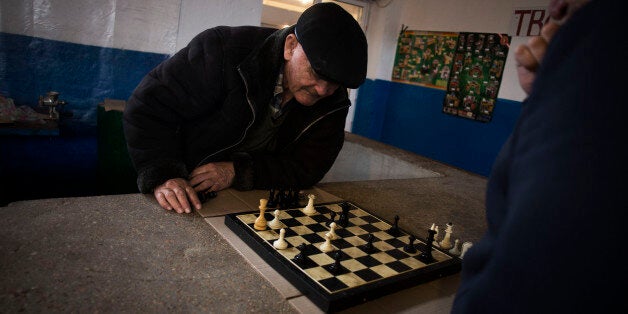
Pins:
<point x="554" y="203"/>
<point x="246" y="107"/>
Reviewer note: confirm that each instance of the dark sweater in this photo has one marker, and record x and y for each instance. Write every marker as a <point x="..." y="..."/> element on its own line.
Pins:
<point x="554" y="204"/>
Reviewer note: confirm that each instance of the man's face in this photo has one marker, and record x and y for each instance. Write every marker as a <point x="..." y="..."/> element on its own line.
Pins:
<point x="299" y="77"/>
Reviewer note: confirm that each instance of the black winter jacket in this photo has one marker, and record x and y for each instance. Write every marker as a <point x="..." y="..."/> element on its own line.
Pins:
<point x="198" y="105"/>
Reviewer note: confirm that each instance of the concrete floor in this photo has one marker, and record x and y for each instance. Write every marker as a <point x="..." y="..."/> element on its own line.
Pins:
<point x="122" y="253"/>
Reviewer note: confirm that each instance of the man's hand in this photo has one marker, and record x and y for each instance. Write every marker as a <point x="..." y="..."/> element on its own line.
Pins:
<point x="530" y="55"/>
<point x="213" y="176"/>
<point x="177" y="194"/>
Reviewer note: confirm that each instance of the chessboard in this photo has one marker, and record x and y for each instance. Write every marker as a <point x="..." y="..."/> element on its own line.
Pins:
<point x="369" y="257"/>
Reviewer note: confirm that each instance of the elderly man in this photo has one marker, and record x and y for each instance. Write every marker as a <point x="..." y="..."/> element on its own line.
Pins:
<point x="246" y="107"/>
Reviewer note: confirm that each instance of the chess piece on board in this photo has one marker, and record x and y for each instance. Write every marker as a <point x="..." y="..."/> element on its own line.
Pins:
<point x="426" y="256"/>
<point x="455" y="249"/>
<point x="309" y="209"/>
<point x="281" y="243"/>
<point x="435" y="241"/>
<point x="446" y="242"/>
<point x="332" y="216"/>
<point x="409" y="248"/>
<point x="275" y="223"/>
<point x="343" y="219"/>
<point x="368" y="247"/>
<point x="336" y="267"/>
<point x="301" y="258"/>
<point x="260" y="222"/>
<point x="271" y="199"/>
<point x="332" y="231"/>
<point x="465" y="247"/>
<point x="326" y="246"/>
<point x="394" y="229"/>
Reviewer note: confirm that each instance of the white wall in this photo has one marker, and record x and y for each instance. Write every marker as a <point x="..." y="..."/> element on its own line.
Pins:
<point x="199" y="15"/>
<point x="126" y="24"/>
<point x="165" y="26"/>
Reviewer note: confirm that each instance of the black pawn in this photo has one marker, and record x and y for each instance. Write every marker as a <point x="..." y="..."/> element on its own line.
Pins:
<point x="394" y="230"/>
<point x="331" y="218"/>
<point x="409" y="248"/>
<point x="343" y="220"/>
<point x="281" y="199"/>
<point x="336" y="267"/>
<point x="294" y="198"/>
<point x="271" y="199"/>
<point x="301" y="258"/>
<point x="368" y="247"/>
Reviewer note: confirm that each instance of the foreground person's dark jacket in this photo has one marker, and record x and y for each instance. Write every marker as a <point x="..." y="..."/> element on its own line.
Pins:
<point x="197" y="106"/>
<point x="556" y="203"/>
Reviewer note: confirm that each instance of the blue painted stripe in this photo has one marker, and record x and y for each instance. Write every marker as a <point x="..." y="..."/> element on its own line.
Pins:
<point x="83" y="75"/>
<point x="410" y="117"/>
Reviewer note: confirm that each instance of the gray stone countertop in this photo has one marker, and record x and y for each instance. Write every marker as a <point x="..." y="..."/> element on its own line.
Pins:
<point x="122" y="253"/>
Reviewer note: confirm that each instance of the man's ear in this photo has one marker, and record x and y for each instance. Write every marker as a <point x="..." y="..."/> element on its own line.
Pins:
<point x="289" y="45"/>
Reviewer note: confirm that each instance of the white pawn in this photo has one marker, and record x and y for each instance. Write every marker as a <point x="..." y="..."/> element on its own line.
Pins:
<point x="332" y="232"/>
<point x="327" y="247"/>
<point x="455" y="250"/>
<point x="446" y="242"/>
<point x="465" y="247"/>
<point x="309" y="209"/>
<point x="435" y="242"/>
<point x="281" y="243"/>
<point x="275" y="223"/>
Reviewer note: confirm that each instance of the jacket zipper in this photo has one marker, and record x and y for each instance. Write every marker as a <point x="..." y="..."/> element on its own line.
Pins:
<point x="248" y="100"/>
<point x="314" y="122"/>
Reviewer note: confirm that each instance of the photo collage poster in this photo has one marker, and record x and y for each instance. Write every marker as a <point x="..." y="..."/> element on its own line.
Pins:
<point x="424" y="58"/>
<point x="476" y="75"/>
<point x="468" y="66"/>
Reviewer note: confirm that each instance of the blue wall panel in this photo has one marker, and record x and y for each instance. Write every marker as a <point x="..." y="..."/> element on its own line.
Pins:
<point x="410" y="117"/>
<point x="65" y="165"/>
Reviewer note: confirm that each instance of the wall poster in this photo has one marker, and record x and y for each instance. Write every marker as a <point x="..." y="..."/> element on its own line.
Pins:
<point x="424" y="58"/>
<point x="469" y="66"/>
<point x="476" y="75"/>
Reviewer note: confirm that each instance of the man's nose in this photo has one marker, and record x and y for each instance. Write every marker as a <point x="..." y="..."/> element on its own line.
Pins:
<point x="325" y="88"/>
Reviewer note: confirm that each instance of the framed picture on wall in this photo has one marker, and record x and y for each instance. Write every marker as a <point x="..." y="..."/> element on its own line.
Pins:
<point x="476" y="75"/>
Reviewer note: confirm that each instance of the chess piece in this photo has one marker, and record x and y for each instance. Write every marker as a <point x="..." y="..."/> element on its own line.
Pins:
<point x="446" y="242"/>
<point x="309" y="209"/>
<point x="336" y="268"/>
<point x="343" y="219"/>
<point x="301" y="258"/>
<point x="409" y="248"/>
<point x="281" y="243"/>
<point x="332" y="232"/>
<point x="275" y="223"/>
<point x="455" y="250"/>
<point x="326" y="246"/>
<point x="332" y="216"/>
<point x="465" y="247"/>
<point x="280" y="200"/>
<point x="426" y="256"/>
<point x="394" y="230"/>
<point x="271" y="199"/>
<point x="435" y="241"/>
<point x="368" y="247"/>
<point x="260" y="222"/>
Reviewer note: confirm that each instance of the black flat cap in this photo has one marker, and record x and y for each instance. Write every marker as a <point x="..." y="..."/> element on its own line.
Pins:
<point x="334" y="43"/>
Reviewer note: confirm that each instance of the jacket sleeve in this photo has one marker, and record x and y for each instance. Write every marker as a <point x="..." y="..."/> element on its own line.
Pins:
<point x="182" y="87"/>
